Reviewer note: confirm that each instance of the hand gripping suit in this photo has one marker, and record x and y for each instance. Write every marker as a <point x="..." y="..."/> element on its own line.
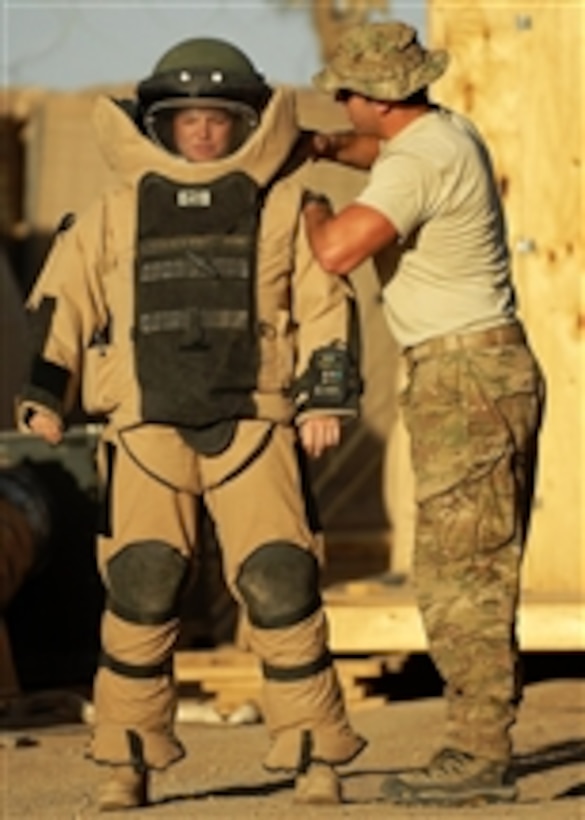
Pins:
<point x="186" y="306"/>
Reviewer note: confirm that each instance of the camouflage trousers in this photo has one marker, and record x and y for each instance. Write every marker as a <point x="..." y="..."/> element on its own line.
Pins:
<point x="473" y="417"/>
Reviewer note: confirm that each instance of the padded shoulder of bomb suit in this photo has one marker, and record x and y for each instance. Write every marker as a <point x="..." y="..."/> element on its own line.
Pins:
<point x="131" y="154"/>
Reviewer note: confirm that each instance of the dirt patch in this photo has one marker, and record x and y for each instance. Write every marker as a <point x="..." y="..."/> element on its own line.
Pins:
<point x="44" y="776"/>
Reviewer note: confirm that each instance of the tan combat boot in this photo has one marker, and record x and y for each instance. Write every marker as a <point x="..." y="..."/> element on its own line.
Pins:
<point x="125" y="788"/>
<point x="319" y="785"/>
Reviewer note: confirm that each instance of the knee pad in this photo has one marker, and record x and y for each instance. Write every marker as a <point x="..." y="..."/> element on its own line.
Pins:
<point x="144" y="581"/>
<point x="279" y="583"/>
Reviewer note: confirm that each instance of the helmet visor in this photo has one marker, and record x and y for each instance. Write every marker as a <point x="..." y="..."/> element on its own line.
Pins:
<point x="200" y="129"/>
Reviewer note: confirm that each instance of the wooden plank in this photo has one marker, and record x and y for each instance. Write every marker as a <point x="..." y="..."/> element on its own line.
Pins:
<point x="370" y="619"/>
<point x="229" y="677"/>
<point x="551" y="275"/>
<point x="374" y="624"/>
<point x="389" y="621"/>
<point x="236" y="690"/>
<point x="504" y="52"/>
<point x="191" y="665"/>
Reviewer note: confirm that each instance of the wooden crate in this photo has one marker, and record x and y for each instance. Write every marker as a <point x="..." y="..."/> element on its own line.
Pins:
<point x="230" y="677"/>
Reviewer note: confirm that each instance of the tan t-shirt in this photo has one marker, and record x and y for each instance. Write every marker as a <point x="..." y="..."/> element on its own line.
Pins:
<point x="434" y="182"/>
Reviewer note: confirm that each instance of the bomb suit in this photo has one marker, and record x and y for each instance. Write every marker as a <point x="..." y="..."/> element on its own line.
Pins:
<point x="187" y="309"/>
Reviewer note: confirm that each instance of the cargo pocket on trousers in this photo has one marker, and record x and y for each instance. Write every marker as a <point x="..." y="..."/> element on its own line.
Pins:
<point x="476" y="516"/>
<point x="497" y="505"/>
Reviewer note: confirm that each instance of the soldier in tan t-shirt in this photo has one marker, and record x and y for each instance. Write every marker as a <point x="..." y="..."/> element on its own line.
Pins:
<point x="473" y="402"/>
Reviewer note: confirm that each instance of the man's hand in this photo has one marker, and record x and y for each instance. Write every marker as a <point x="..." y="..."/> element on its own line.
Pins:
<point x="317" y="145"/>
<point x="345" y="147"/>
<point x="313" y="198"/>
<point x="318" y="433"/>
<point x="311" y="145"/>
<point x="46" y="427"/>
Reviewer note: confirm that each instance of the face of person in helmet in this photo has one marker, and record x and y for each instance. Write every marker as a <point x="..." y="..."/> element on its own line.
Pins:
<point x="198" y="74"/>
<point x="203" y="134"/>
<point x="200" y="130"/>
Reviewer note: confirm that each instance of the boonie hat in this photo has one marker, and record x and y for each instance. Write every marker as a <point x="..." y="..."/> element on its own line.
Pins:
<point x="384" y="61"/>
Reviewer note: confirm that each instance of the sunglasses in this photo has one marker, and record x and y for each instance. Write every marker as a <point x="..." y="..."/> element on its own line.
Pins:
<point x="344" y="94"/>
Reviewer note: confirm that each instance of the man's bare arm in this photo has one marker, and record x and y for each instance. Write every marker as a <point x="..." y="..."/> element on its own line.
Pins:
<point x="341" y="242"/>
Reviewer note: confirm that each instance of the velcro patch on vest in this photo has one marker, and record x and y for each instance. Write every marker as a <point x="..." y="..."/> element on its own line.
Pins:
<point x="194" y="197"/>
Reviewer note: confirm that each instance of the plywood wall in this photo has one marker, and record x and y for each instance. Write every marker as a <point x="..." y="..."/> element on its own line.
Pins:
<point x="518" y="70"/>
<point x="64" y="169"/>
<point x="353" y="483"/>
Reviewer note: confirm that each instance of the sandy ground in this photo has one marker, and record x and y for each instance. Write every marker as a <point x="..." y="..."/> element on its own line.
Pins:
<point x="43" y="774"/>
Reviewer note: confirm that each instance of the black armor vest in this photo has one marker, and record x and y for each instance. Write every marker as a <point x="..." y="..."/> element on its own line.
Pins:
<point x="196" y="341"/>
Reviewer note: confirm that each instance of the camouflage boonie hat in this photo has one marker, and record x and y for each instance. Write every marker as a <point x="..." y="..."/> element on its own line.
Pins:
<point x="384" y="61"/>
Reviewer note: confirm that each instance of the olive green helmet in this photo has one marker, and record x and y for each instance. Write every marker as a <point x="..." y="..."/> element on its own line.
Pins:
<point x="205" y="68"/>
<point x="202" y="72"/>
